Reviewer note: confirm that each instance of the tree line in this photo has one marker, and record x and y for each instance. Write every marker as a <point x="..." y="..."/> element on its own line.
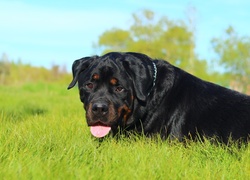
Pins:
<point x="16" y="73"/>
<point x="162" y="38"/>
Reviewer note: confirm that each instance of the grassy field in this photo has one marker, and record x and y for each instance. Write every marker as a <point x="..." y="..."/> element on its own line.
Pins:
<point x="43" y="135"/>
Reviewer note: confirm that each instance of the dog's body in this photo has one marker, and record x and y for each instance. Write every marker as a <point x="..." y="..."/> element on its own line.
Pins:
<point x="134" y="92"/>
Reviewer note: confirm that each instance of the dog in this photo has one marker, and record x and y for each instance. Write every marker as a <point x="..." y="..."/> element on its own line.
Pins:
<point x="129" y="91"/>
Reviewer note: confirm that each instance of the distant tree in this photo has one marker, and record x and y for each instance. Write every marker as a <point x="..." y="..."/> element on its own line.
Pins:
<point x="4" y="68"/>
<point x="156" y="37"/>
<point x="12" y="72"/>
<point x="233" y="53"/>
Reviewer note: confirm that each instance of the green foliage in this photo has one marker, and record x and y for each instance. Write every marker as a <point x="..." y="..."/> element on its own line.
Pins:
<point x="4" y="69"/>
<point x="156" y="37"/>
<point x="18" y="73"/>
<point x="121" y="40"/>
<point x="234" y="55"/>
<point x="161" y="38"/>
<point x="43" y="135"/>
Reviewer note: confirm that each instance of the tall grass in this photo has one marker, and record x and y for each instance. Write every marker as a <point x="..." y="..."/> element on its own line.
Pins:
<point x="43" y="135"/>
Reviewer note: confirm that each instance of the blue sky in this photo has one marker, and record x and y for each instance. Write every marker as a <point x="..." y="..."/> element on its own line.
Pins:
<point x="49" y="32"/>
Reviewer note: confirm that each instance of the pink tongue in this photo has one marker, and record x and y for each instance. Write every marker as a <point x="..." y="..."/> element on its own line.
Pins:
<point x="99" y="131"/>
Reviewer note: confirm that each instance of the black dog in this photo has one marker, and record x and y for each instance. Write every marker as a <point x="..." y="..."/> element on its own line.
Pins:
<point x="133" y="92"/>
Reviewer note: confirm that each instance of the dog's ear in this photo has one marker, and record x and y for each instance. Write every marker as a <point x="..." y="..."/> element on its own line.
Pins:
<point x="79" y="66"/>
<point x="142" y="70"/>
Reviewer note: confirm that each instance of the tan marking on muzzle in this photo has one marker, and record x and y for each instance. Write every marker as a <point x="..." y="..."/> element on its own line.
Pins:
<point x="126" y="110"/>
<point x="89" y="111"/>
<point x="109" y="117"/>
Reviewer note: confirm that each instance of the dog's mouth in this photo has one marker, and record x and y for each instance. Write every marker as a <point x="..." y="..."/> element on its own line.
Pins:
<point x="99" y="129"/>
<point x="101" y="124"/>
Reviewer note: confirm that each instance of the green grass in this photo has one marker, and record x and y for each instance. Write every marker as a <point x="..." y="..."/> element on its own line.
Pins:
<point x="43" y="135"/>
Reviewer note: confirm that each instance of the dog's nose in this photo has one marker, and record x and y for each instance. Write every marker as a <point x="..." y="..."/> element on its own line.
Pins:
<point x="100" y="109"/>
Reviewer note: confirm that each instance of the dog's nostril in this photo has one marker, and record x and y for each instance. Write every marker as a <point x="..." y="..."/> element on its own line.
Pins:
<point x="100" y="108"/>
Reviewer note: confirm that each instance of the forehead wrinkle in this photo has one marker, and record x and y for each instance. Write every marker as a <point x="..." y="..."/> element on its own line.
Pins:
<point x="108" y="68"/>
<point x="112" y="67"/>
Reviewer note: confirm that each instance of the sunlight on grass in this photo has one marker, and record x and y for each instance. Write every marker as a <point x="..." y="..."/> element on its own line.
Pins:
<point x="43" y="135"/>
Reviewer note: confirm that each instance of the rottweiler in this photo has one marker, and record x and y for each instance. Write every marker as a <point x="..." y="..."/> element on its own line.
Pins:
<point x="128" y="91"/>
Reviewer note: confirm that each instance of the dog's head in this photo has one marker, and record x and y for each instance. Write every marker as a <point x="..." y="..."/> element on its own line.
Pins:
<point x="112" y="88"/>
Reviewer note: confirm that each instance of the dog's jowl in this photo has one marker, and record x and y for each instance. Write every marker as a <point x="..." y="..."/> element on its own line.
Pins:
<point x="132" y="92"/>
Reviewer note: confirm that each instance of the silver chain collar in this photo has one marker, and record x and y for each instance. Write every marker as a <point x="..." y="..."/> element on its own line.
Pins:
<point x="154" y="76"/>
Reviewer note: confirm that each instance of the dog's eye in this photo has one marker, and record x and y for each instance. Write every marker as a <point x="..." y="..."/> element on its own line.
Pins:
<point x="119" y="89"/>
<point x="90" y="85"/>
